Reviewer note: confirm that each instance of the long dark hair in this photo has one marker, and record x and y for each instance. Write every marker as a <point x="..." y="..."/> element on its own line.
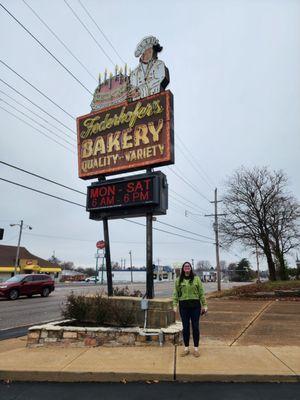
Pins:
<point x="182" y="274"/>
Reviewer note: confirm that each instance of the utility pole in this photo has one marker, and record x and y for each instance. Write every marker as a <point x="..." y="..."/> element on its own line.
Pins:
<point x="102" y="269"/>
<point x="97" y="271"/>
<point x="107" y="258"/>
<point x="216" y="229"/>
<point x="21" y="225"/>
<point x="131" y="277"/>
<point x="18" y="247"/>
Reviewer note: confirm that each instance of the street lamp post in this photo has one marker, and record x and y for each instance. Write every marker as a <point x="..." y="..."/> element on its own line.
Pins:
<point x="131" y="276"/>
<point x="21" y="225"/>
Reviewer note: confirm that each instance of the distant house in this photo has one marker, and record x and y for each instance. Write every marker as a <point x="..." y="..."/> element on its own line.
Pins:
<point x="163" y="272"/>
<point x="28" y="263"/>
<point x="69" y="275"/>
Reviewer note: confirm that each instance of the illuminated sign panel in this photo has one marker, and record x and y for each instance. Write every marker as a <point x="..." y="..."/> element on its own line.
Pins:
<point x="125" y="193"/>
<point x="132" y="196"/>
<point x="127" y="137"/>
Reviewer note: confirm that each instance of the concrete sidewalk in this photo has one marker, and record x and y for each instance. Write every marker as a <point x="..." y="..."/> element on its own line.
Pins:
<point x="221" y="363"/>
<point x="241" y="341"/>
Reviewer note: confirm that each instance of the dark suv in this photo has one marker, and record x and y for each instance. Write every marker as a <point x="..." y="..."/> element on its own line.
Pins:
<point x="27" y="285"/>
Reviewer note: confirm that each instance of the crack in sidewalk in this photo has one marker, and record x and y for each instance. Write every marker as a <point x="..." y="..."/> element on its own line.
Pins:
<point x="251" y="322"/>
<point x="291" y="369"/>
<point x="69" y="363"/>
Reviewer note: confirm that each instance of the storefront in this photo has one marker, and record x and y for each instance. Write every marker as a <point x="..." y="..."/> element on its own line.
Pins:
<point x="28" y="263"/>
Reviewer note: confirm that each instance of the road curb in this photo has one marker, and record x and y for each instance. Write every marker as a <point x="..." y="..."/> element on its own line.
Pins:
<point x="63" y="376"/>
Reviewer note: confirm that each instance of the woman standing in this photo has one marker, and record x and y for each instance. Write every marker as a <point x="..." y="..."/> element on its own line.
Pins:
<point x="189" y="293"/>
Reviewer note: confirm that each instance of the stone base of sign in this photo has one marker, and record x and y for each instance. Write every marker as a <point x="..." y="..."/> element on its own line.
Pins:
<point x="58" y="334"/>
<point x="160" y="312"/>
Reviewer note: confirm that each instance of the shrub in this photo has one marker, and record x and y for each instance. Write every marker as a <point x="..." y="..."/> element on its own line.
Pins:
<point x="126" y="292"/>
<point x="76" y="307"/>
<point x="121" y="291"/>
<point x="122" y="316"/>
<point x="98" y="310"/>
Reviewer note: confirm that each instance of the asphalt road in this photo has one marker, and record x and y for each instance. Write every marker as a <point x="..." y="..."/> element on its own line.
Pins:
<point x="160" y="391"/>
<point x="28" y="311"/>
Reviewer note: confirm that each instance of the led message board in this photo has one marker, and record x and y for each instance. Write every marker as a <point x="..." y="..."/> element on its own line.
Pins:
<point x="130" y="196"/>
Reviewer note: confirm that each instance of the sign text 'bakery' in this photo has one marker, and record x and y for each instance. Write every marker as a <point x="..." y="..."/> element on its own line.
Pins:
<point x="129" y="136"/>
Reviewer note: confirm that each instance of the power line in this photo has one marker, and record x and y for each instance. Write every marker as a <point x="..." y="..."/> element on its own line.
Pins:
<point x="189" y="184"/>
<point x="186" y="208"/>
<point x="186" y="201"/>
<point x="48" y="51"/>
<point x="36" y="114"/>
<point x="80" y="205"/>
<point x="41" y="177"/>
<point x="36" y="105"/>
<point x="196" y="218"/>
<point x="43" y="133"/>
<point x="35" y="88"/>
<point x="171" y="233"/>
<point x="101" y="31"/>
<point x="60" y="41"/>
<point x="36" y="122"/>
<point x="41" y="192"/>
<point x="229" y="252"/>
<point x="92" y="241"/>
<point x="89" y="32"/>
<point x="83" y="193"/>
<point x="182" y="212"/>
<point x="191" y="158"/>
<point x="184" y="230"/>
<point x="77" y="191"/>
<point x="180" y="203"/>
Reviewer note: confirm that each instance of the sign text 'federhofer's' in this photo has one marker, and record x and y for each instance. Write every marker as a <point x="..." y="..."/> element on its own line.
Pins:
<point x="126" y="137"/>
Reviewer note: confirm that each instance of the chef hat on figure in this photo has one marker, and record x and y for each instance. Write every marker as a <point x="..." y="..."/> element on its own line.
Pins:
<point x="144" y="44"/>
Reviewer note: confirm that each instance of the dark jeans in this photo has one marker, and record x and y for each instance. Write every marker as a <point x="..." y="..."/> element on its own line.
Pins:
<point x="193" y="315"/>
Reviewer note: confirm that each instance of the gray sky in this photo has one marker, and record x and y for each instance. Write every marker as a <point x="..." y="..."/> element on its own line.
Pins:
<point x="234" y="71"/>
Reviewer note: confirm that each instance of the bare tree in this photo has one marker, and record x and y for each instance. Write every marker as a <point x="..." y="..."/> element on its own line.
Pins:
<point x="203" y="265"/>
<point x="254" y="204"/>
<point x="284" y="230"/>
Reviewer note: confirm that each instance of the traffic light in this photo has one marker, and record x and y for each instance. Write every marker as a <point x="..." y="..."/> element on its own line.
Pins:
<point x="1" y="233"/>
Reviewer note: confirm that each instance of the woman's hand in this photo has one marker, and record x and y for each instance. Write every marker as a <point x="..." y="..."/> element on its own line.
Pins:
<point x="204" y="310"/>
<point x="175" y="309"/>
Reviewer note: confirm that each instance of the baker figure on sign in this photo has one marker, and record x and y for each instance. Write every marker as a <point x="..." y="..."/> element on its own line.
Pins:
<point x="151" y="75"/>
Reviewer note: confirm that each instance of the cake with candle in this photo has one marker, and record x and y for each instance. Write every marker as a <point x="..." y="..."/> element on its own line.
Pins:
<point x="112" y="90"/>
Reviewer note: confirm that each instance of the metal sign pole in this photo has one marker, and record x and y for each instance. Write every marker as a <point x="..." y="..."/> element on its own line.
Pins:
<point x="149" y="277"/>
<point x="107" y="258"/>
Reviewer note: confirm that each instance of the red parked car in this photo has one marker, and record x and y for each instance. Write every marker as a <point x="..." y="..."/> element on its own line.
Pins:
<point x="27" y="285"/>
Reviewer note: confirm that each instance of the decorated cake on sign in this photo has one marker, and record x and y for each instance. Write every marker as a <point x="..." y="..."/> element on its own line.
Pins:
<point x="150" y="77"/>
<point x="112" y="90"/>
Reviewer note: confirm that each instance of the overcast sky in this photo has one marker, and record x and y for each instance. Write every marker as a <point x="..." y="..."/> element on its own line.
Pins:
<point x="234" y="72"/>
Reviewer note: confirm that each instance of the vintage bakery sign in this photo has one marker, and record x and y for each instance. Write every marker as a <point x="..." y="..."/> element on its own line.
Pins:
<point x="126" y="137"/>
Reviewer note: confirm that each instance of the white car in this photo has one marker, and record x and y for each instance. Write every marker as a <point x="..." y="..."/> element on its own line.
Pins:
<point x="92" y="279"/>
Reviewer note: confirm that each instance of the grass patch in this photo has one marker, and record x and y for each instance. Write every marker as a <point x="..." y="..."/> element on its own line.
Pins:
<point x="253" y="288"/>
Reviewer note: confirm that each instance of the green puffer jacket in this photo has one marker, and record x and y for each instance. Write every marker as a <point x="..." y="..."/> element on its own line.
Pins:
<point x="189" y="291"/>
